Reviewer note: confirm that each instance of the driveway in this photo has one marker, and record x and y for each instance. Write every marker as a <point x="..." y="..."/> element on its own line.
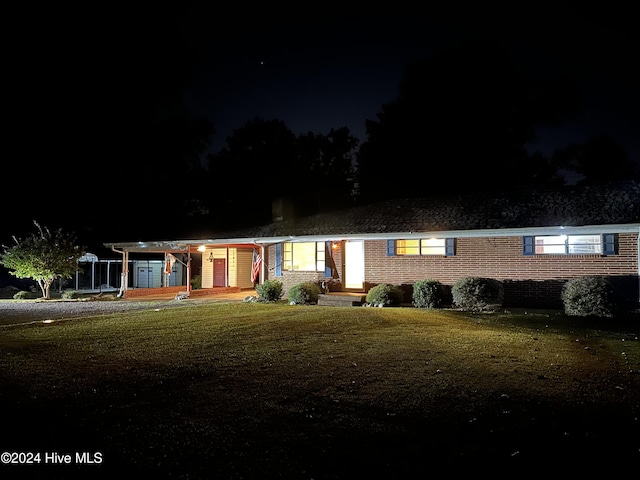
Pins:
<point x="13" y="312"/>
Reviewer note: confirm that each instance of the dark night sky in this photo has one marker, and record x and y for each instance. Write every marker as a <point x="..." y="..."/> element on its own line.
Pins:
<point x="79" y="80"/>
<point x="319" y="74"/>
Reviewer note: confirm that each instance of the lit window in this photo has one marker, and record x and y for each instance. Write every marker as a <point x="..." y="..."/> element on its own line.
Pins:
<point x="551" y="244"/>
<point x="408" y="247"/>
<point x="432" y="246"/>
<point x="304" y="256"/>
<point x="584" y="244"/>
<point x="568" y="244"/>
<point x="424" y="246"/>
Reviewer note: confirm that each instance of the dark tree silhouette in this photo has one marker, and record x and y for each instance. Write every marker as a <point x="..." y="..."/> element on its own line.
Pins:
<point x="327" y="163"/>
<point x="166" y="178"/>
<point x="277" y="170"/>
<point x="461" y="123"/>
<point x="598" y="161"/>
<point x="259" y="158"/>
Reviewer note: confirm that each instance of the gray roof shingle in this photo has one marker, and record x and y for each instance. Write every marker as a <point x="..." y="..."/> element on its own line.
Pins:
<point x="575" y="206"/>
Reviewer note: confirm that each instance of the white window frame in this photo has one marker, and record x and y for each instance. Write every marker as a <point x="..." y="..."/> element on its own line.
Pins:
<point x="289" y="260"/>
<point x="568" y="244"/>
<point x="424" y="247"/>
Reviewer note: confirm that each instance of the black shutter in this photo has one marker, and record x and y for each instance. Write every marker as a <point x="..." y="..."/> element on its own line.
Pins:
<point x="391" y="248"/>
<point x="528" y="245"/>
<point x="327" y="260"/>
<point x="278" y="259"/>
<point x="450" y="247"/>
<point x="609" y="244"/>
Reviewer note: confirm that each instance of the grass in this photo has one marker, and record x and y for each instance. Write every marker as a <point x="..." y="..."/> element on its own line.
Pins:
<point x="277" y="391"/>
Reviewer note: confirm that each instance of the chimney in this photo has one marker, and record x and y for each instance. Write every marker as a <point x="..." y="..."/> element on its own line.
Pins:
<point x="282" y="209"/>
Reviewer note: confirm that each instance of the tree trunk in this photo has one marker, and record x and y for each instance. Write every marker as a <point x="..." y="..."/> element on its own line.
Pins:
<point x="45" y="286"/>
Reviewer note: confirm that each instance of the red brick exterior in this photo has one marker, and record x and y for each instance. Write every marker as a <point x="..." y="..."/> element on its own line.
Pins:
<point x="202" y="292"/>
<point x="500" y="258"/>
<point x="528" y="280"/>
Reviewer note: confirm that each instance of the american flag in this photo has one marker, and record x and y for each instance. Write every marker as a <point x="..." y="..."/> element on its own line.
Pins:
<point x="255" y="266"/>
<point x="169" y="263"/>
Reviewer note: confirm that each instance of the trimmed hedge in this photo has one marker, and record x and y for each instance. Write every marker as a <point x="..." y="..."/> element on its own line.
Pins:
<point x="305" y="293"/>
<point x="588" y="296"/>
<point x="385" y="295"/>
<point x="477" y="294"/>
<point x="428" y="294"/>
<point x="269" y="291"/>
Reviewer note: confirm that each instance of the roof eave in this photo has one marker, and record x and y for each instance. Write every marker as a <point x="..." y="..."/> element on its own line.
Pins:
<point x="185" y="245"/>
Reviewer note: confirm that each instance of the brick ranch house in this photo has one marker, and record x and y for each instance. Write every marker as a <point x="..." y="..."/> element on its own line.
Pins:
<point x="533" y="242"/>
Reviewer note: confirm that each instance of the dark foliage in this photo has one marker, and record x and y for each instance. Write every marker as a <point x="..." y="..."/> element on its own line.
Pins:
<point x="477" y="294"/>
<point x="589" y="296"/>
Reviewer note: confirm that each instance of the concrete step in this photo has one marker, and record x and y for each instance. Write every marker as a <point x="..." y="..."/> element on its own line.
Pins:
<point x="338" y="300"/>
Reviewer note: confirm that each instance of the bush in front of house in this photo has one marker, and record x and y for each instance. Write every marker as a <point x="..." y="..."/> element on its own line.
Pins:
<point x="428" y="293"/>
<point x="477" y="294"/>
<point x="71" y="294"/>
<point x="385" y="295"/>
<point x="588" y="296"/>
<point x="196" y="282"/>
<point x="24" y="295"/>
<point x="304" y="293"/>
<point x="269" y="291"/>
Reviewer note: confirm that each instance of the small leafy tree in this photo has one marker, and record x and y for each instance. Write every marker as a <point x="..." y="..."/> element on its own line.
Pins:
<point x="43" y="256"/>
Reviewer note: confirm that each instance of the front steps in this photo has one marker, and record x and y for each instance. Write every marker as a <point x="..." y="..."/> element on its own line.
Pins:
<point x="342" y="299"/>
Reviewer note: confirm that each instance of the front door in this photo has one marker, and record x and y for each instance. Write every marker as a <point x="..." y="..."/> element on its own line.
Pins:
<point x="354" y="265"/>
<point x="219" y="272"/>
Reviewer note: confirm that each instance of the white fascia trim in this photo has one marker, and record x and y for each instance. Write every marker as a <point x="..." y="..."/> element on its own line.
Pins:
<point x="501" y="232"/>
<point x="183" y="245"/>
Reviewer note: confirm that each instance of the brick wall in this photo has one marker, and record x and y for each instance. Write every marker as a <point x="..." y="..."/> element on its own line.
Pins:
<point x="528" y="280"/>
<point x="290" y="279"/>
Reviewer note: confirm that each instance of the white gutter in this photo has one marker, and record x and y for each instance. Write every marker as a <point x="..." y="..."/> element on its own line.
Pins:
<point x="262" y="268"/>
<point x="497" y="232"/>
<point x="183" y="245"/>
<point x="125" y="271"/>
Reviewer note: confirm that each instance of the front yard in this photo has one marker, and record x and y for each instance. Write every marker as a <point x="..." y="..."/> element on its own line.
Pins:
<point x="249" y="390"/>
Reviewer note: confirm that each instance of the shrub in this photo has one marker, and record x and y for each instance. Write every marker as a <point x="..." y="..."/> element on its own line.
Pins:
<point x="23" y="295"/>
<point x="269" y="291"/>
<point x="428" y="294"/>
<point x="477" y="294"/>
<point x="304" y="293"/>
<point x="71" y="294"/>
<point x="588" y="296"/>
<point x="384" y="295"/>
<point x="196" y="282"/>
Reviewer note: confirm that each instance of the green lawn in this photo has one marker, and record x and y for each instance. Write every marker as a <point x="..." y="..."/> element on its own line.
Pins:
<point x="249" y="390"/>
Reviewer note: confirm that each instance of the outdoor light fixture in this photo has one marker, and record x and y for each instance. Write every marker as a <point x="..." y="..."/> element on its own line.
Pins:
<point x="335" y="245"/>
<point x="202" y="248"/>
<point x="210" y="259"/>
